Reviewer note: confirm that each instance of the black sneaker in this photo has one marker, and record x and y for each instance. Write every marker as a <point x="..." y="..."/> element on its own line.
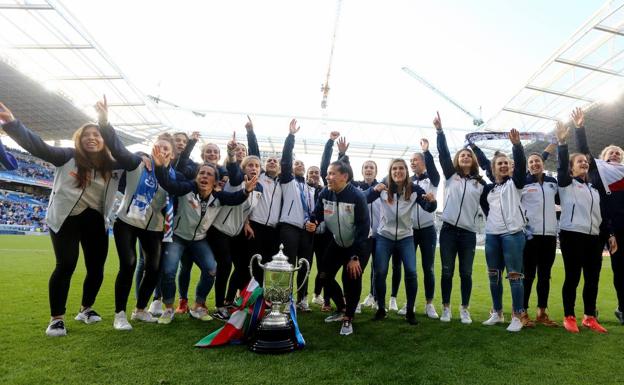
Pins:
<point x="56" y="328"/>
<point x="411" y="320"/>
<point x="88" y="316"/>
<point x="380" y="315"/>
<point x="619" y="315"/>
<point x="221" y="314"/>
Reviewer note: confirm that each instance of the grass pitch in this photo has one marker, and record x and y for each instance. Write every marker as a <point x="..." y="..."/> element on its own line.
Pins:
<point x="377" y="353"/>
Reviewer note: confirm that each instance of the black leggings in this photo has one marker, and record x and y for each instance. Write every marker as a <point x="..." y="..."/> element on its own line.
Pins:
<point x="266" y="243"/>
<point x="239" y="245"/>
<point x="126" y="241"/>
<point x="86" y="229"/>
<point x="321" y="242"/>
<point x="617" y="264"/>
<point x="221" y="247"/>
<point x="337" y="257"/>
<point x="539" y="256"/>
<point x="298" y="243"/>
<point x="581" y="253"/>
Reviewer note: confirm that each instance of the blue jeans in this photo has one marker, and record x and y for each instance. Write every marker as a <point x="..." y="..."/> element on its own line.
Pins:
<point x="426" y="238"/>
<point x="505" y="251"/>
<point x="404" y="249"/>
<point x="455" y="241"/>
<point x="184" y="275"/>
<point x="204" y="258"/>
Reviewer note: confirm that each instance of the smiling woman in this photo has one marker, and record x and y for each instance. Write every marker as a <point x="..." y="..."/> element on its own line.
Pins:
<point x="82" y="197"/>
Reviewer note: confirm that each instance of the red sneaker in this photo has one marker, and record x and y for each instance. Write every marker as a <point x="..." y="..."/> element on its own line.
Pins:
<point x="182" y="306"/>
<point x="569" y="323"/>
<point x="591" y="322"/>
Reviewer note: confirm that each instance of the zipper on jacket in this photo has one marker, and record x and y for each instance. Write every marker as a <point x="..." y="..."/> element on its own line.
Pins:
<point x="572" y="216"/>
<point x="227" y="216"/>
<point x="271" y="204"/>
<point x="290" y="209"/>
<point x="591" y="210"/>
<point x="396" y="231"/>
<point x="461" y="203"/>
<point x="338" y="218"/>
<point x="543" y="209"/>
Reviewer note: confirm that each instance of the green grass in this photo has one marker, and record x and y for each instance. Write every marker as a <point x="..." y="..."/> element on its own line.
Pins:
<point x="387" y="352"/>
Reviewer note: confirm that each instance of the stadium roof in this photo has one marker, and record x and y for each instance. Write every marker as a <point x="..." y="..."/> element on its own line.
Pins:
<point x="59" y="53"/>
<point x="587" y="72"/>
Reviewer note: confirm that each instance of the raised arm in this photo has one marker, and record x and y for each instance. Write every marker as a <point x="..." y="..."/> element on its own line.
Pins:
<point x="563" y="173"/>
<point x="7" y="160"/>
<point x="252" y="141"/>
<point x="485" y="206"/>
<point x="286" y="162"/>
<point x="426" y="201"/>
<point x="519" y="173"/>
<point x="177" y="187"/>
<point x="31" y="142"/>
<point x="432" y="171"/>
<point x="234" y="170"/>
<point x="184" y="157"/>
<point x="548" y="151"/>
<point x="126" y="159"/>
<point x="443" y="151"/>
<point x="327" y="153"/>
<point x="484" y="162"/>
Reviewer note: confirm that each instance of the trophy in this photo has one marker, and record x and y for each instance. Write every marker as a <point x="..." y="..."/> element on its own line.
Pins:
<point x="276" y="332"/>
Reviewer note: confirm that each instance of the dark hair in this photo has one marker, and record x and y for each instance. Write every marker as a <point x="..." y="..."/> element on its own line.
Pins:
<point x="102" y="162"/>
<point x="167" y="137"/>
<point x="181" y="133"/>
<point x="535" y="154"/>
<point x="212" y="166"/>
<point x="343" y="168"/>
<point x="393" y="187"/>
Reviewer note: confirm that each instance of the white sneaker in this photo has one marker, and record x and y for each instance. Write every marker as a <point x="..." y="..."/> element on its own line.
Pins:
<point x="431" y="312"/>
<point x="56" y="328"/>
<point x="318" y="300"/>
<point x="156" y="308"/>
<point x="515" y="325"/>
<point x="120" y="322"/>
<point x="374" y="306"/>
<point x="303" y="305"/>
<point x="494" y="319"/>
<point x="200" y="313"/>
<point x="368" y="301"/>
<point x="403" y="310"/>
<point x="166" y="317"/>
<point x="142" y="315"/>
<point x="464" y="315"/>
<point x="393" y="304"/>
<point x="88" y="316"/>
<point x="358" y="309"/>
<point x="347" y="328"/>
<point x="446" y="315"/>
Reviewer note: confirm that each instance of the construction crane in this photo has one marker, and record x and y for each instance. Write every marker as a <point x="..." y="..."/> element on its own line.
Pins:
<point x="325" y="87"/>
<point x="477" y="121"/>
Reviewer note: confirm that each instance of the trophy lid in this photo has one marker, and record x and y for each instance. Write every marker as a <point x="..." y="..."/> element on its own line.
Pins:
<point x="279" y="262"/>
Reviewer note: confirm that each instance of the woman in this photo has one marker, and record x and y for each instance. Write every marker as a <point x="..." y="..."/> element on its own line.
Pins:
<point x="579" y="237"/>
<point x="610" y="163"/>
<point x="427" y="177"/>
<point x="139" y="217"/>
<point x="504" y="232"/>
<point x="197" y="208"/>
<point x="226" y="235"/>
<point x="539" y="197"/>
<point x="297" y="206"/>
<point x="83" y="193"/>
<point x="395" y="232"/>
<point x="462" y="187"/>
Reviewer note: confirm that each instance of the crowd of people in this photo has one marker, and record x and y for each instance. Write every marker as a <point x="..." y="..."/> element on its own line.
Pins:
<point x="216" y="216"/>
<point x="22" y="213"/>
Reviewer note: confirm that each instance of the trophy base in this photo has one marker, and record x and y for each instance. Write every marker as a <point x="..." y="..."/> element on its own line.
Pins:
<point x="274" y="339"/>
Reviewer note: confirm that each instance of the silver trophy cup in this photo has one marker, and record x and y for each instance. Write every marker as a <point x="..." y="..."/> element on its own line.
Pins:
<point x="276" y="333"/>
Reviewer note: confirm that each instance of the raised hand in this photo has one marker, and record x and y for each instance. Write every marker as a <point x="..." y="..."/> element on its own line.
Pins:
<point x="293" y="128"/>
<point x="578" y="117"/>
<point x="231" y="146"/>
<point x="101" y="107"/>
<point x="562" y="132"/>
<point x="334" y="135"/>
<point x="514" y="136"/>
<point x="343" y="146"/>
<point x="551" y="148"/>
<point x="249" y="124"/>
<point x="250" y="184"/>
<point x="160" y="159"/>
<point x="5" y="115"/>
<point x="424" y="144"/>
<point x="195" y="135"/>
<point x="437" y="122"/>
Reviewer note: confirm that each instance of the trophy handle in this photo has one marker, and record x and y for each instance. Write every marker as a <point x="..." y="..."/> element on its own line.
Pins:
<point x="302" y="262"/>
<point x="259" y="258"/>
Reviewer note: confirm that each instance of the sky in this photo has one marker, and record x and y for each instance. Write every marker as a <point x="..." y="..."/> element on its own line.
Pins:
<point x="271" y="57"/>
